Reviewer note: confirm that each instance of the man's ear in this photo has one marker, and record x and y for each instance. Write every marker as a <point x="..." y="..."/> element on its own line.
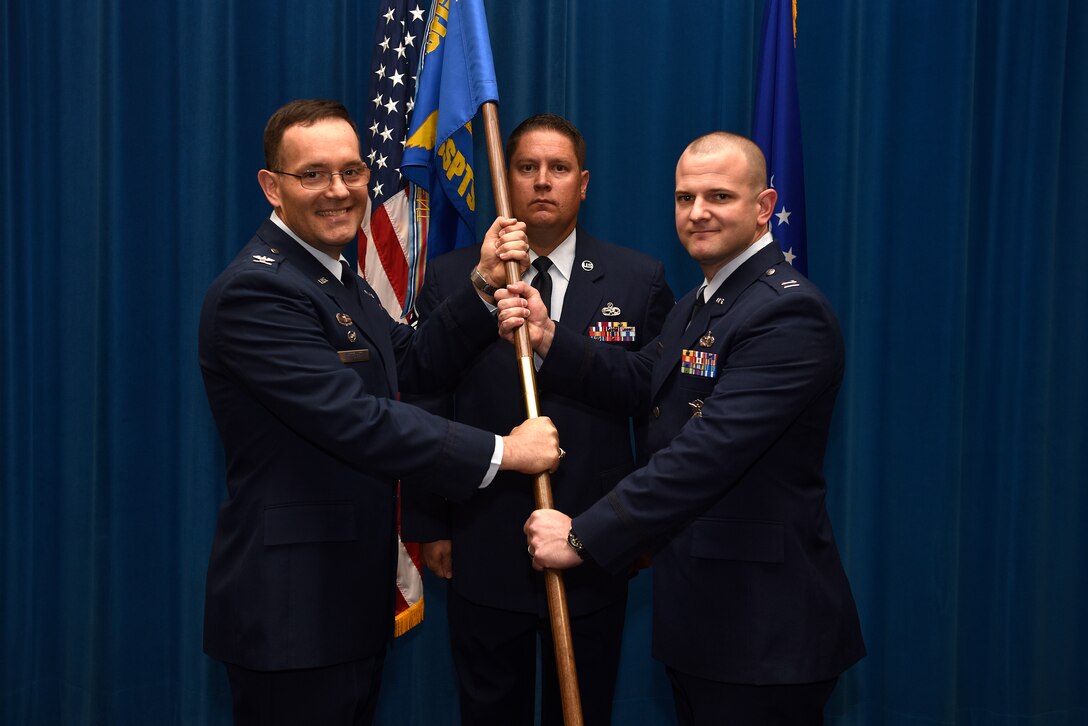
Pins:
<point x="766" y="201"/>
<point x="585" y="183"/>
<point x="270" y="185"/>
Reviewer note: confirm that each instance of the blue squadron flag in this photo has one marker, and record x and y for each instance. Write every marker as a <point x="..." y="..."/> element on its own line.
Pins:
<point x="457" y="77"/>
<point x="777" y="129"/>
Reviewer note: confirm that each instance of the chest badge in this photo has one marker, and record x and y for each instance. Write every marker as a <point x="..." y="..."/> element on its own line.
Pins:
<point x="344" y="319"/>
<point x="610" y="309"/>
<point x="696" y="408"/>
<point x="707" y="340"/>
<point x="699" y="363"/>
<point x="587" y="265"/>
<point x="612" y="332"/>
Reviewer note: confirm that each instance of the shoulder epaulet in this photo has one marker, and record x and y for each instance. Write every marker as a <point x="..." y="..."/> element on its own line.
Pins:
<point x="272" y="259"/>
<point x="780" y="279"/>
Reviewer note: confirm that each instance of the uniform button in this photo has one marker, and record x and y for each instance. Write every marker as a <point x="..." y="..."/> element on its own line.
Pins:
<point x="657" y="411"/>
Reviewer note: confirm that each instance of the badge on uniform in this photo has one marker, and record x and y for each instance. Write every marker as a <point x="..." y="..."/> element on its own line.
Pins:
<point x="699" y="363"/>
<point x="612" y="332"/>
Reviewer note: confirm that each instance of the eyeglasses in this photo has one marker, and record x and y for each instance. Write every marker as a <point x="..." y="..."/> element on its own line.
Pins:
<point x="356" y="176"/>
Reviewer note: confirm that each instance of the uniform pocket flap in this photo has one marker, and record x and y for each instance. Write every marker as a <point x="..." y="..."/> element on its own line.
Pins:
<point x="296" y="523"/>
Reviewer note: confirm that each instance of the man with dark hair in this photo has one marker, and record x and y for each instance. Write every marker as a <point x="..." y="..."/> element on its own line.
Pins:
<point x="612" y="297"/>
<point x="301" y="366"/>
<point x="753" y="614"/>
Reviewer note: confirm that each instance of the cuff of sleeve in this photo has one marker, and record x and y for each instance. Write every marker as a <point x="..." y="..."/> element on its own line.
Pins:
<point x="496" y="459"/>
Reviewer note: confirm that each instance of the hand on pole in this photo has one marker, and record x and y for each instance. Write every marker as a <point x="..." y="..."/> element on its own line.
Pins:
<point x="504" y="242"/>
<point x="520" y="303"/>
<point x="532" y="447"/>
<point x="546" y="531"/>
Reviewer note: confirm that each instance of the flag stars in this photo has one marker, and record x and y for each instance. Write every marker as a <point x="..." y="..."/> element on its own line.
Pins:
<point x="378" y="100"/>
<point x="417" y="14"/>
<point x="391" y="107"/>
<point x="381" y="161"/>
<point x="400" y="50"/>
<point x="387" y="133"/>
<point x="397" y="78"/>
<point x="389" y="16"/>
<point x="377" y="191"/>
<point x="790" y="257"/>
<point x="783" y="216"/>
<point x="409" y="40"/>
<point x="374" y="129"/>
<point x="371" y="155"/>
<point x="380" y="73"/>
<point x="385" y="43"/>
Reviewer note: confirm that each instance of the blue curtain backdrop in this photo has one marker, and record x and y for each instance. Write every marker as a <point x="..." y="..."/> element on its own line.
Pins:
<point x="945" y="157"/>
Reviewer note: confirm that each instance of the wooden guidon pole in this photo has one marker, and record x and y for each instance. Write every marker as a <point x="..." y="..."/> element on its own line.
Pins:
<point x="542" y="484"/>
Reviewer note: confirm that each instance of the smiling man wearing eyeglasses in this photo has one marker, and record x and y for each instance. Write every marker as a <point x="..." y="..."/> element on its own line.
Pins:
<point x="302" y="368"/>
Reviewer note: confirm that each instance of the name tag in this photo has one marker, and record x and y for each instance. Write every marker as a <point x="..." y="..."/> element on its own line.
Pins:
<point x="354" y="356"/>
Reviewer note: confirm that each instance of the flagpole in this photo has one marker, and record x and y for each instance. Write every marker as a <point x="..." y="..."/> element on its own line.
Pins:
<point x="542" y="483"/>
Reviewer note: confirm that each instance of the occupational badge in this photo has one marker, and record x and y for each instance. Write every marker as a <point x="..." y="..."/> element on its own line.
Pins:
<point x="343" y="319"/>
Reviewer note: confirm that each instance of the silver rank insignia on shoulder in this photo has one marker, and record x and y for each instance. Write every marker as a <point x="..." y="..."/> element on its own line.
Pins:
<point x="707" y="340"/>
<point x="610" y="309"/>
<point x="344" y="319"/>
<point x="696" y="408"/>
<point x="264" y="260"/>
<point x="587" y="265"/>
<point x="789" y="283"/>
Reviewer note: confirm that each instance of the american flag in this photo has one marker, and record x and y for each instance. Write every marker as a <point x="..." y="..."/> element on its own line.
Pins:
<point x="393" y="238"/>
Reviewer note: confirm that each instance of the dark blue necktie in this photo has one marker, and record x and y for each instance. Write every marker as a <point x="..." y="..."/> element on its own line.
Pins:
<point x="543" y="281"/>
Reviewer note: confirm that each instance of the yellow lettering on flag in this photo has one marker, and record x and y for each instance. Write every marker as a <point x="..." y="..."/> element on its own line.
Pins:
<point x="438" y="25"/>
<point x="455" y="165"/>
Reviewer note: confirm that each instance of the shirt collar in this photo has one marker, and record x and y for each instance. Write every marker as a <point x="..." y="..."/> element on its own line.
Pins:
<point x="562" y="256"/>
<point x="731" y="267"/>
<point x="333" y="266"/>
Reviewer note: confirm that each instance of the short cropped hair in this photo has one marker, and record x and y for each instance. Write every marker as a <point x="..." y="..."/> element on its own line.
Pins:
<point x="304" y="112"/>
<point x="548" y="122"/>
<point x="719" y="140"/>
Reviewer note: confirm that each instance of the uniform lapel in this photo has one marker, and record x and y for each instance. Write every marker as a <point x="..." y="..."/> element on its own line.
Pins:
<point x="583" y="298"/>
<point x="717" y="305"/>
<point x="368" y="317"/>
<point x="377" y="321"/>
